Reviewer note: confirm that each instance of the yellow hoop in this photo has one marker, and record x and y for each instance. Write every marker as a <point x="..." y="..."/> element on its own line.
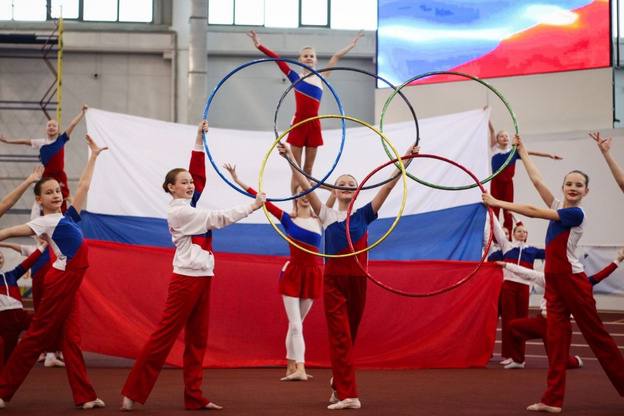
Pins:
<point x="384" y="138"/>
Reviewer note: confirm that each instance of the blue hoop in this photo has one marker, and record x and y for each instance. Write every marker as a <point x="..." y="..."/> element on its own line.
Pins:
<point x="258" y="61"/>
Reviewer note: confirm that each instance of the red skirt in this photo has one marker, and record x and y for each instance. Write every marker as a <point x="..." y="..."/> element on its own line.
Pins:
<point x="301" y="280"/>
<point x="306" y="135"/>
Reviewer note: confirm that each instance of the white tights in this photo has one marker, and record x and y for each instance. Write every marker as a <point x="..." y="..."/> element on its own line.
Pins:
<point x="296" y="310"/>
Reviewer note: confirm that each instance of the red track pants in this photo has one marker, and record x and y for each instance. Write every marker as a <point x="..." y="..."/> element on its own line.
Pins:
<point x="344" y="299"/>
<point x="57" y="315"/>
<point x="503" y="190"/>
<point x="187" y="307"/>
<point x="525" y="329"/>
<point x="572" y="293"/>
<point x="515" y="305"/>
<point x="12" y="323"/>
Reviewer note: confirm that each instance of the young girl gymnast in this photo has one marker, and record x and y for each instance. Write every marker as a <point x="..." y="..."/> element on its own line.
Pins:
<point x="308" y="137"/>
<point x="188" y="298"/>
<point x="57" y="314"/>
<point x="568" y="290"/>
<point x="301" y="277"/>
<point x="344" y="282"/>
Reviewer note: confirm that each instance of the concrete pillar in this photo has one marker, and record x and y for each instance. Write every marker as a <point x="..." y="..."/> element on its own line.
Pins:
<point x="198" y="56"/>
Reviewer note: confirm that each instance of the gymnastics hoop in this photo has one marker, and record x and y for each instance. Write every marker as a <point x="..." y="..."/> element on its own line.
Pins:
<point x="383" y="137"/>
<point x="435" y="292"/>
<point x="480" y="81"/>
<point x="258" y="61"/>
<point x="361" y="71"/>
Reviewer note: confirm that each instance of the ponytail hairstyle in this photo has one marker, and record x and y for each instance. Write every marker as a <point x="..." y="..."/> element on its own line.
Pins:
<point x="170" y="178"/>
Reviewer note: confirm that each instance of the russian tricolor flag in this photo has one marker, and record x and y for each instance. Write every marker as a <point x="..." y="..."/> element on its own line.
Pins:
<point x="436" y="243"/>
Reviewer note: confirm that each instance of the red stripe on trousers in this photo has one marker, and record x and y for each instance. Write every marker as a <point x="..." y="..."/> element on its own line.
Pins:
<point x="344" y="299"/>
<point x="56" y="316"/>
<point x="187" y="307"/>
<point x="526" y="329"/>
<point x="566" y="294"/>
<point x="514" y="304"/>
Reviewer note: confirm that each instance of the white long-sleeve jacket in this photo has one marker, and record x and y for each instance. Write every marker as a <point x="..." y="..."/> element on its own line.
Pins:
<point x="184" y="222"/>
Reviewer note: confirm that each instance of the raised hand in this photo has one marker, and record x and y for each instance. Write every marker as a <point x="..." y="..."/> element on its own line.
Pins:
<point x="489" y="200"/>
<point x="95" y="149"/>
<point x="603" y="144"/>
<point x="231" y="170"/>
<point x="254" y="37"/>
<point x="36" y="174"/>
<point x="260" y="199"/>
<point x="285" y="151"/>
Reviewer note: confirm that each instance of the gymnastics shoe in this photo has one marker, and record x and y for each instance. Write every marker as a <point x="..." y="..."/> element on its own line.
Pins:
<point x="506" y="361"/>
<point x="213" y="406"/>
<point x="51" y="360"/>
<point x="2" y="404"/>
<point x="346" y="404"/>
<point x="93" y="404"/>
<point x="514" y="366"/>
<point x="580" y="362"/>
<point x="296" y="376"/>
<point x="541" y="407"/>
<point x="126" y="404"/>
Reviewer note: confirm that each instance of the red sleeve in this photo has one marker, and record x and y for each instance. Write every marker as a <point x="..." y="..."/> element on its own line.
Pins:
<point x="603" y="274"/>
<point x="273" y="209"/>
<point x="197" y="169"/>
<point x="283" y="66"/>
<point x="26" y="264"/>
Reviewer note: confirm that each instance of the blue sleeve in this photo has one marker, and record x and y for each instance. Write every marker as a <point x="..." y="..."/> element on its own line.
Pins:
<point x="286" y="221"/>
<point x="516" y="156"/>
<point x="496" y="256"/>
<point x="293" y="76"/>
<point x="540" y="253"/>
<point x="367" y="213"/>
<point x="570" y="217"/>
<point x="73" y="214"/>
<point x="63" y="137"/>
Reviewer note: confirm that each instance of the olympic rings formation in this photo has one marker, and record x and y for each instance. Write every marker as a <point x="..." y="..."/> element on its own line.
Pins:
<point x="259" y="61"/>
<point x="461" y="74"/>
<point x="401" y="167"/>
<point x="361" y="71"/>
<point x="398" y="161"/>
<point x="435" y="292"/>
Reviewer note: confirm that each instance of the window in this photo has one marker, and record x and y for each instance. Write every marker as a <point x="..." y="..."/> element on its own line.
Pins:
<point x="141" y="11"/>
<point x="337" y="14"/>
<point x="69" y="9"/>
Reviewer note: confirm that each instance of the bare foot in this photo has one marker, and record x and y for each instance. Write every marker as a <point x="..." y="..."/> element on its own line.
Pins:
<point x="296" y="376"/>
<point x="213" y="406"/>
<point x="541" y="407"/>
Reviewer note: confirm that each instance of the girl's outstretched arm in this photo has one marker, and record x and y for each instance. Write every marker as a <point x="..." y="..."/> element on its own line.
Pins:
<point x="16" y="231"/>
<point x="74" y="122"/>
<point x="605" y="146"/>
<point x="85" y="179"/>
<point x="526" y="210"/>
<point x="3" y="139"/>
<point x="315" y="202"/>
<point x="534" y="173"/>
<point x="10" y="200"/>
<point x="333" y="61"/>
<point x="383" y="193"/>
